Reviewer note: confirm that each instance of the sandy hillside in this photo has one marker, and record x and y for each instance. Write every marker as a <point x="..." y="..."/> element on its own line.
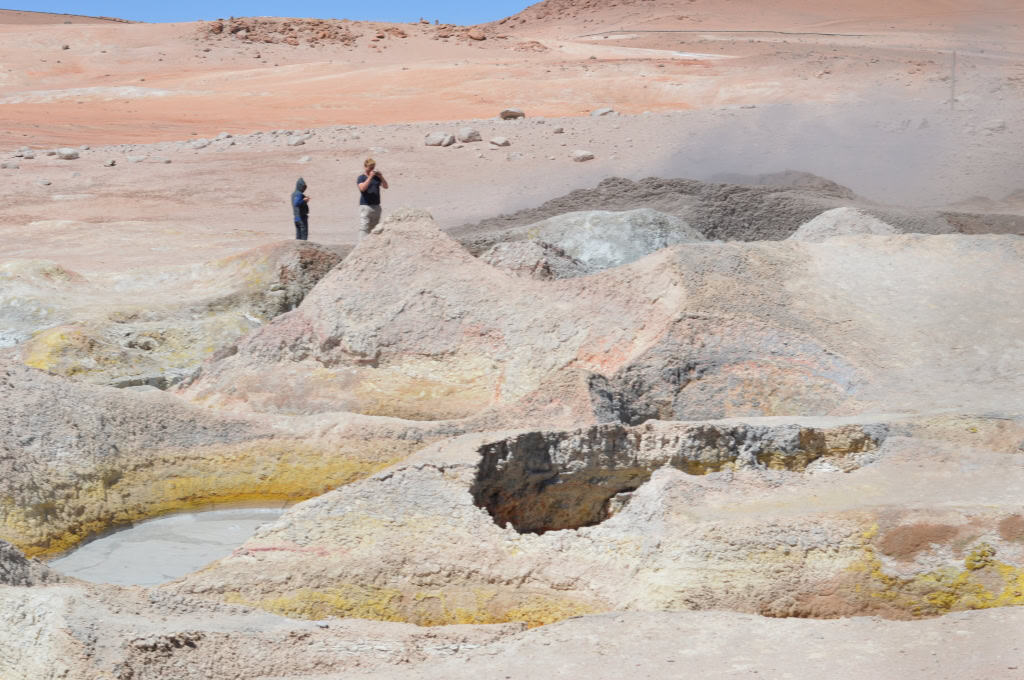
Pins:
<point x="880" y="109"/>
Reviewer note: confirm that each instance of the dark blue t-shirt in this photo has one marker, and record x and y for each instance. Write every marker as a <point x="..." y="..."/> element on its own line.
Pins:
<point x="372" y="194"/>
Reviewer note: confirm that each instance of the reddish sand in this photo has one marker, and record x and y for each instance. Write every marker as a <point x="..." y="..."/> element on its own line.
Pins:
<point x="796" y="83"/>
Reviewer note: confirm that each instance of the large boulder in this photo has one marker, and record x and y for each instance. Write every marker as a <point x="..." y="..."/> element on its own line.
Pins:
<point x="602" y="239"/>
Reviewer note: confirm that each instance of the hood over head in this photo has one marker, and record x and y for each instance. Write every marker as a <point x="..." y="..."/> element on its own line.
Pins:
<point x="300" y="185"/>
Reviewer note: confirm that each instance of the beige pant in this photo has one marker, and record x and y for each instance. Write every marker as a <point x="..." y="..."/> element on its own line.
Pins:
<point x="369" y="216"/>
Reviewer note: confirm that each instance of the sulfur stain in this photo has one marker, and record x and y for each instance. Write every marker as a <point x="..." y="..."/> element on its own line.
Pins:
<point x="119" y="492"/>
<point x="982" y="583"/>
<point x="424" y="608"/>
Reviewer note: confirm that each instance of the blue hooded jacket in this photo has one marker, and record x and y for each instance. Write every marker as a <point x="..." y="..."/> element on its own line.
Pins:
<point x="300" y="209"/>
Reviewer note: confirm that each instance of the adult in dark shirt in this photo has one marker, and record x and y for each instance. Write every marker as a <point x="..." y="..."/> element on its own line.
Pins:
<point x="370" y="183"/>
<point x="300" y="210"/>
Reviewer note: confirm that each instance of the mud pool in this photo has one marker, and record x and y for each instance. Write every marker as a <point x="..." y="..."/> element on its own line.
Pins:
<point x="161" y="550"/>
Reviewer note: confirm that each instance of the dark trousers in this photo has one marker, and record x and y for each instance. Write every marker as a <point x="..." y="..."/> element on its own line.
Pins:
<point x="302" y="230"/>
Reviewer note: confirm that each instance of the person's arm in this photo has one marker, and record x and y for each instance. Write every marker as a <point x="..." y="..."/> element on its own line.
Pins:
<point x="363" y="186"/>
<point x="383" y="182"/>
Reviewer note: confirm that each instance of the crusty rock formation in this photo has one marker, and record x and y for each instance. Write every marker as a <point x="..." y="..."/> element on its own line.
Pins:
<point x="150" y="327"/>
<point x="83" y="632"/>
<point x="77" y="459"/>
<point x="783" y="517"/>
<point x="18" y="570"/>
<point x="410" y="325"/>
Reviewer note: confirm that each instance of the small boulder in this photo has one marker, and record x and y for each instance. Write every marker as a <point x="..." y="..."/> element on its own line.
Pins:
<point x="44" y="182"/>
<point x="602" y="112"/>
<point x="558" y="131"/>
<point x="468" y="134"/>
<point x="224" y="135"/>
<point x="580" y="155"/>
<point x="435" y="138"/>
<point x="476" y="34"/>
<point x="29" y="155"/>
<point x="9" y="165"/>
<point x="67" y="154"/>
<point x="109" y="163"/>
<point x="500" y="141"/>
<point x="511" y="114"/>
<point x="135" y="159"/>
<point x="200" y="144"/>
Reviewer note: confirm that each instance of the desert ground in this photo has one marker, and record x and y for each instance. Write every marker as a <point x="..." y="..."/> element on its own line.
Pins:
<point x="691" y="342"/>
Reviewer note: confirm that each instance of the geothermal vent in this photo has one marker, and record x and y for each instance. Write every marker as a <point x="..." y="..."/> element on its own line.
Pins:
<point x="541" y="481"/>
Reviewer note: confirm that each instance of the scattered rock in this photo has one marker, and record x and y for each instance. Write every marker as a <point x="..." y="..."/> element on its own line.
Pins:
<point x="28" y="155"/>
<point x="579" y="155"/>
<point x="558" y="131"/>
<point x="224" y="135"/>
<point x="135" y="159"/>
<point x="109" y="163"/>
<point x="511" y="114"/>
<point x="67" y="154"/>
<point x="500" y="141"/>
<point x="468" y="134"/>
<point x="602" y="112"/>
<point x="200" y="144"/>
<point x="476" y="34"/>
<point x="44" y="182"/>
<point x="438" y="139"/>
<point x="9" y="165"/>
<point x="305" y="159"/>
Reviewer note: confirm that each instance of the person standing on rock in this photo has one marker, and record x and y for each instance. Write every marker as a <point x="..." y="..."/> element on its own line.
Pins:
<point x="370" y="183"/>
<point x="300" y="210"/>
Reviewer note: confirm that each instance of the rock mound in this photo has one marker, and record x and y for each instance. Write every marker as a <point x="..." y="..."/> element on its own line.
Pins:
<point x="790" y="179"/>
<point x="841" y="222"/>
<point x="727" y="212"/>
<point x="284" y="31"/>
<point x="412" y="326"/>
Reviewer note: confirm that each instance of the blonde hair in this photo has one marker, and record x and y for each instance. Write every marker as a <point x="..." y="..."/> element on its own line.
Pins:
<point x="369" y="163"/>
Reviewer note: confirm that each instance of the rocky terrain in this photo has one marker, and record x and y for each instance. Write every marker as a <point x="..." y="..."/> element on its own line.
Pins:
<point x="699" y="352"/>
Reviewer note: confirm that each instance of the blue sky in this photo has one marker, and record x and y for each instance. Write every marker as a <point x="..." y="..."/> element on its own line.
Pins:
<point x="447" y="11"/>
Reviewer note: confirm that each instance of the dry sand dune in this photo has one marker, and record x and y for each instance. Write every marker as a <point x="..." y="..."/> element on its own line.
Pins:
<point x="727" y="320"/>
